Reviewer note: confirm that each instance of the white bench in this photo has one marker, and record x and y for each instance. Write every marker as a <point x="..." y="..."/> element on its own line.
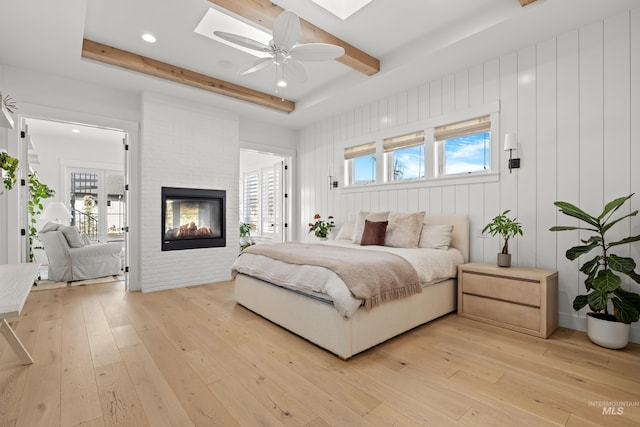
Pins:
<point x="16" y="281"/>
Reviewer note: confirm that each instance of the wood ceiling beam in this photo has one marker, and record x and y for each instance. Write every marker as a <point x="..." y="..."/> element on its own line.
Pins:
<point x="142" y="64"/>
<point x="523" y="3"/>
<point x="264" y="13"/>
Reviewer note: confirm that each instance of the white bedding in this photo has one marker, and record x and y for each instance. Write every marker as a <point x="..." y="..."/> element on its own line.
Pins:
<point x="432" y="265"/>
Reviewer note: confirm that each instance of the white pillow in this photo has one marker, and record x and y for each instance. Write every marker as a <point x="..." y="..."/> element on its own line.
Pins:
<point x="404" y="229"/>
<point x="346" y="231"/>
<point x="436" y="236"/>
<point x="72" y="235"/>
<point x="361" y="217"/>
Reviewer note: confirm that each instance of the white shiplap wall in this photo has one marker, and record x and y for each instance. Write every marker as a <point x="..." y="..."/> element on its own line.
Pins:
<point x="574" y="102"/>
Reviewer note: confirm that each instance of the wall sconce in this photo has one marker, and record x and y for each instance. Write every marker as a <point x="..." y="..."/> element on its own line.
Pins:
<point x="510" y="144"/>
<point x="332" y="183"/>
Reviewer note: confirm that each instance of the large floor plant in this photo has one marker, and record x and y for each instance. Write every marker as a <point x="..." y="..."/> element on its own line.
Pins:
<point x="603" y="281"/>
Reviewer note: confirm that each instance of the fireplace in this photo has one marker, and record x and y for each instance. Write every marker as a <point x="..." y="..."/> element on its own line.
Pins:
<point x="192" y="218"/>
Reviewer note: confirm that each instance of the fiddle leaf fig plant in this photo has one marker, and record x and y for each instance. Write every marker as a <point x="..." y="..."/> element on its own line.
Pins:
<point x="603" y="282"/>
<point x="505" y="227"/>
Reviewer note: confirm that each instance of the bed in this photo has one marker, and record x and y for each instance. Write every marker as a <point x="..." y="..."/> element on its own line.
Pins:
<point x="317" y="320"/>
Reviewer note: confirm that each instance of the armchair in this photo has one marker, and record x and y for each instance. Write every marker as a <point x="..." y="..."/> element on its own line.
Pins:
<point x="71" y="259"/>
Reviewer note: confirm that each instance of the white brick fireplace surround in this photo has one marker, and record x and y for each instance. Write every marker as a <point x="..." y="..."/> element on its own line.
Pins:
<point x="183" y="144"/>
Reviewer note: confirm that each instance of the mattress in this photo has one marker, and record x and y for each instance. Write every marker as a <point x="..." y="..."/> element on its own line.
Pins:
<point x="432" y="266"/>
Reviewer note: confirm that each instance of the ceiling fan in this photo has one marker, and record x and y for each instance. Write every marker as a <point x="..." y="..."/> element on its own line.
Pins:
<point x="283" y="51"/>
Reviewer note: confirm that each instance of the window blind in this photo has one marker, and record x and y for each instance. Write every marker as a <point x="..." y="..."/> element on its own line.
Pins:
<point x="251" y="199"/>
<point x="271" y="200"/>
<point x="403" y="141"/>
<point x="464" y="128"/>
<point x="360" y="150"/>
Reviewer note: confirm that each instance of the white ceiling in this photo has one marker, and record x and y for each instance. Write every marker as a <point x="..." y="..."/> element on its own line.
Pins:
<point x="415" y="40"/>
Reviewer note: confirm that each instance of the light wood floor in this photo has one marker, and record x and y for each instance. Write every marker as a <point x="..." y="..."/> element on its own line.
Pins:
<point x="193" y="357"/>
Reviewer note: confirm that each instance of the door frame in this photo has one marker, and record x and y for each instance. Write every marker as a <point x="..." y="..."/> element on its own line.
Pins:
<point x="288" y="179"/>
<point x="15" y="241"/>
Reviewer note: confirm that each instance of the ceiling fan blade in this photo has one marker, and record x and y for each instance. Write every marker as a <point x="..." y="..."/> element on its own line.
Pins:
<point x="286" y="30"/>
<point x="242" y="41"/>
<point x="315" y="52"/>
<point x="295" y="71"/>
<point x="254" y="66"/>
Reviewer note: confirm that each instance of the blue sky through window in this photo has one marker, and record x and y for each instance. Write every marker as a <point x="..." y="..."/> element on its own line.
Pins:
<point x="467" y="153"/>
<point x="364" y="169"/>
<point x="408" y="162"/>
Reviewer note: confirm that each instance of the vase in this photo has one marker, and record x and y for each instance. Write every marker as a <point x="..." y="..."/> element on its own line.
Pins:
<point x="504" y="260"/>
<point x="607" y="333"/>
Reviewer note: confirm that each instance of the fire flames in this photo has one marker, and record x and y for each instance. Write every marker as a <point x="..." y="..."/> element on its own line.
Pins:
<point x="188" y="231"/>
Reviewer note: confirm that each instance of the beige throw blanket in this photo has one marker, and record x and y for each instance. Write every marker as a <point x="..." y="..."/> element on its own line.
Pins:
<point x="372" y="276"/>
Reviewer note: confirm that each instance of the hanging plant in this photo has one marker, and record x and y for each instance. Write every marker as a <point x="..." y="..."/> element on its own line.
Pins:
<point x="37" y="191"/>
<point x="9" y="166"/>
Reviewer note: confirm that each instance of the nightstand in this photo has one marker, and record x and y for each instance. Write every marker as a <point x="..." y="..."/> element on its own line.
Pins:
<point x="521" y="299"/>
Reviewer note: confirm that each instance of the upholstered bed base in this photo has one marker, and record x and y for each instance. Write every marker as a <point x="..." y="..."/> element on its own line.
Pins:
<point x="320" y="323"/>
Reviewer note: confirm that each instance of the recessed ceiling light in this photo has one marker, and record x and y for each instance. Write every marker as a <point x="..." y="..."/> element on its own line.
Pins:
<point x="149" y="38"/>
<point x="341" y="8"/>
<point x="75" y="131"/>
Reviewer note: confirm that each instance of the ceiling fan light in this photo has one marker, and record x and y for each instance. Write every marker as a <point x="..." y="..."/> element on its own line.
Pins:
<point x="280" y="81"/>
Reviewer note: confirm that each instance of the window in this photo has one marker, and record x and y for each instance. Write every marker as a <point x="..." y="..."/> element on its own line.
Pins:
<point x="361" y="163"/>
<point x="251" y="200"/>
<point x="404" y="156"/>
<point x="96" y="197"/>
<point x="464" y="147"/>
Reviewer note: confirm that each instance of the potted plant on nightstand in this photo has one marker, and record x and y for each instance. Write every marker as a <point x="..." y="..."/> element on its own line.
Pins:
<point x="603" y="282"/>
<point x="507" y="228"/>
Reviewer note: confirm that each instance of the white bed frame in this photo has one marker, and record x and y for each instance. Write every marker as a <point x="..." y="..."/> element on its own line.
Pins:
<point x="320" y="323"/>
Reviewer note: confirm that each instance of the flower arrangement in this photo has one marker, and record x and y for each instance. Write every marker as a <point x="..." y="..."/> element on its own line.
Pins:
<point x="320" y="227"/>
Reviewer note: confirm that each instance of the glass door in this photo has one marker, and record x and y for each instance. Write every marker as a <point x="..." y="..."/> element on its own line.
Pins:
<point x="97" y="202"/>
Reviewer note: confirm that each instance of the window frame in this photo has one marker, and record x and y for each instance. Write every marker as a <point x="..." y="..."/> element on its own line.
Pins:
<point x="351" y="154"/>
<point x="432" y="153"/>
<point x="440" y="152"/>
<point x="394" y="144"/>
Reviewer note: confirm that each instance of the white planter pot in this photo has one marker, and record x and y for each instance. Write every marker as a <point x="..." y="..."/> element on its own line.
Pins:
<point x="605" y="333"/>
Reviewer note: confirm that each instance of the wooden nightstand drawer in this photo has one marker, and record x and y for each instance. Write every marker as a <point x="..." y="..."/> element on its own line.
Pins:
<point x="502" y="311"/>
<point x="522" y="299"/>
<point x="520" y="291"/>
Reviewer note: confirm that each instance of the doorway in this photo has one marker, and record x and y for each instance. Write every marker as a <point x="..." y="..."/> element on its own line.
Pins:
<point x="264" y="195"/>
<point x="86" y="167"/>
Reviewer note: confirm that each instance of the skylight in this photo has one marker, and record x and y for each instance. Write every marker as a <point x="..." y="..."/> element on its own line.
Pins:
<point x="214" y="20"/>
<point x="342" y="8"/>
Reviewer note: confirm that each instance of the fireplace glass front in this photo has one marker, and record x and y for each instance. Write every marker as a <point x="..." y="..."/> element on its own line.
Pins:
<point x="192" y="218"/>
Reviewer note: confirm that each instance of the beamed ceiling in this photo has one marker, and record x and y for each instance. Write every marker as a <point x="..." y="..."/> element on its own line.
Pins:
<point x="391" y="46"/>
<point x="260" y="12"/>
